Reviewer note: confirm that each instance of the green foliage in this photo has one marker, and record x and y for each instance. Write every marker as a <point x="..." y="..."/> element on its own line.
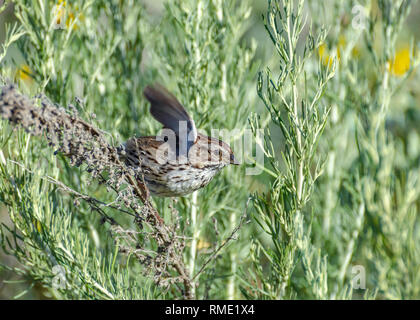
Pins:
<point x="301" y="120"/>
<point x="208" y="34"/>
<point x="363" y="217"/>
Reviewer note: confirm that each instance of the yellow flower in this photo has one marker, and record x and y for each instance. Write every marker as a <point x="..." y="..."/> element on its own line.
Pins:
<point x="401" y="62"/>
<point x="341" y="44"/>
<point x="202" y="244"/>
<point x="70" y="20"/>
<point x="355" y="52"/>
<point x="327" y="58"/>
<point x="24" y="73"/>
<point x="37" y="224"/>
<point x="59" y="11"/>
<point x="324" y="55"/>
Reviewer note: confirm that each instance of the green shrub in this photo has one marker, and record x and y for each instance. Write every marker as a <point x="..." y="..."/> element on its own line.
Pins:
<point x="328" y="96"/>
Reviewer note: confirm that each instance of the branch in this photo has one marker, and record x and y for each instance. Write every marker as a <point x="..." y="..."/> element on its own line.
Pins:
<point x="226" y="241"/>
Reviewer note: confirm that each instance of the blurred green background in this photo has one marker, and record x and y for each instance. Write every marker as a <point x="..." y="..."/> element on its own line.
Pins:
<point x="11" y="285"/>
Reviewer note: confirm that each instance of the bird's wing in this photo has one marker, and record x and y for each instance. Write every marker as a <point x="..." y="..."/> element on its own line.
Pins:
<point x="166" y="109"/>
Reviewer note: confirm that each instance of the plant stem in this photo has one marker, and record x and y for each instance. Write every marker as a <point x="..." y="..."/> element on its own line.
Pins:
<point x="195" y="236"/>
<point x="299" y="178"/>
<point x="299" y="144"/>
<point x="233" y="266"/>
<point x="350" y="249"/>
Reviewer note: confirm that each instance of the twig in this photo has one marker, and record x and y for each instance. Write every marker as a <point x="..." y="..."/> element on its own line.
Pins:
<point x="66" y="188"/>
<point x="226" y="241"/>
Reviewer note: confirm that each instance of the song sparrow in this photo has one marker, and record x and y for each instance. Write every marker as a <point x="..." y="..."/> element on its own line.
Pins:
<point x="181" y="160"/>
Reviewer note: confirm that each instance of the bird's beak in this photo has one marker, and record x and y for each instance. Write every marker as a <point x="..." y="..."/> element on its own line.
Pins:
<point x="233" y="160"/>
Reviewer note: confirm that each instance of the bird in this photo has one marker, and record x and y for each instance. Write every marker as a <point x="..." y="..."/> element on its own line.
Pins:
<point x="180" y="160"/>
